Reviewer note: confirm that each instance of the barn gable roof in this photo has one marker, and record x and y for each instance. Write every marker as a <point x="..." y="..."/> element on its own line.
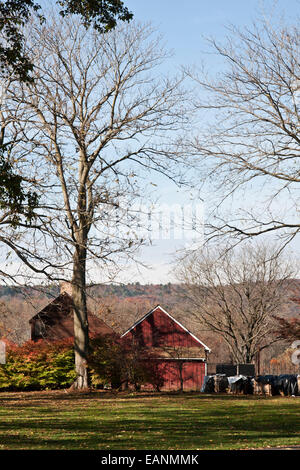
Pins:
<point x="57" y="317"/>
<point x="158" y="307"/>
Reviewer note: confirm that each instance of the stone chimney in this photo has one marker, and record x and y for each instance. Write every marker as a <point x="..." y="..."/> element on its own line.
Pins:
<point x="65" y="287"/>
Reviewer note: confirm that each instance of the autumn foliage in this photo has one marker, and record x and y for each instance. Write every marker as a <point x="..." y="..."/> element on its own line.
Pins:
<point x="288" y="328"/>
<point x="43" y="365"/>
<point x="38" y="366"/>
<point x="123" y="363"/>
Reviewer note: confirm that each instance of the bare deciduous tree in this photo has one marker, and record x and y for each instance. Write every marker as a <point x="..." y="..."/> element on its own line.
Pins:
<point x="252" y="142"/>
<point x="93" y="125"/>
<point x="235" y="294"/>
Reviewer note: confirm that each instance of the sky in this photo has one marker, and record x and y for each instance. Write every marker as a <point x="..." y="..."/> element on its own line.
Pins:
<point x="185" y="27"/>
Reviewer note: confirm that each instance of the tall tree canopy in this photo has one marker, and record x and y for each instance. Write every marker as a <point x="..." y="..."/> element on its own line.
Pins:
<point x="102" y="15"/>
<point x="236" y="294"/>
<point x="250" y="149"/>
<point x="14" y="14"/>
<point x="89" y="128"/>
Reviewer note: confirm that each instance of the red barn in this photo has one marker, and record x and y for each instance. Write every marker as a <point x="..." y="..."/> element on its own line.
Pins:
<point x="55" y="322"/>
<point x="182" y="357"/>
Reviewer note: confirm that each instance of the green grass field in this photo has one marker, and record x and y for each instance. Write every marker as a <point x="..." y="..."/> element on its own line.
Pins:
<point x="60" y="420"/>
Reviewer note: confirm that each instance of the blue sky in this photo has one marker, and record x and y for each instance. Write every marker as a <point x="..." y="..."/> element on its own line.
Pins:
<point x="185" y="24"/>
<point x="185" y="27"/>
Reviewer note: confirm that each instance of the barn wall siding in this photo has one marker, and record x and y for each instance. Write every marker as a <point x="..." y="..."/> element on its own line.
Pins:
<point x="175" y="345"/>
<point x="185" y="375"/>
<point x="158" y="330"/>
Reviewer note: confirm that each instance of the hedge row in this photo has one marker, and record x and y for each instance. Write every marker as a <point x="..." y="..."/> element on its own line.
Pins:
<point x="38" y="366"/>
<point x="42" y="365"/>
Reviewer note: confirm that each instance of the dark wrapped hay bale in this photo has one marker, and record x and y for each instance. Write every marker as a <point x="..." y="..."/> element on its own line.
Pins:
<point x="266" y="385"/>
<point x="288" y="384"/>
<point x="221" y="383"/>
<point x="208" y="384"/>
<point x="240" y="384"/>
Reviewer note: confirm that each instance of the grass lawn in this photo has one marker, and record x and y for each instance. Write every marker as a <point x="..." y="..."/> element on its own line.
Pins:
<point x="100" y="420"/>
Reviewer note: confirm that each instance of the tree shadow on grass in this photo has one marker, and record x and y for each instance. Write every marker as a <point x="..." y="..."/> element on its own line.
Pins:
<point x="147" y="425"/>
<point x="57" y="399"/>
<point x="108" y="395"/>
<point x="132" y="433"/>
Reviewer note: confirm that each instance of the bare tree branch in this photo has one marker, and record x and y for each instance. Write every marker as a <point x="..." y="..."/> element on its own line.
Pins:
<point x="236" y="293"/>
<point x="253" y="140"/>
<point x="94" y="115"/>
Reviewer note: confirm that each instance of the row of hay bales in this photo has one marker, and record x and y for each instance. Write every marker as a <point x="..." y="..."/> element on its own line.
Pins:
<point x="269" y="385"/>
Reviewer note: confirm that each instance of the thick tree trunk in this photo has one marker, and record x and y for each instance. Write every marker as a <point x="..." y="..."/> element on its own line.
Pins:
<point x="81" y="329"/>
